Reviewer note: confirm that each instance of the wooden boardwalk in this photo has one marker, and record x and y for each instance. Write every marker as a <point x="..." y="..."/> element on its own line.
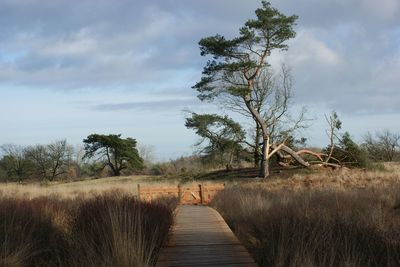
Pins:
<point x="200" y="237"/>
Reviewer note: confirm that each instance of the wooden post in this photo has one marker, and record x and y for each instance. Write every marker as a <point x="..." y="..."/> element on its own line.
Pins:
<point x="180" y="194"/>
<point x="201" y="193"/>
<point x="138" y="192"/>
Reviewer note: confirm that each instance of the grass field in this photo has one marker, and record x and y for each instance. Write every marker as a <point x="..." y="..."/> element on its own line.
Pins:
<point x="316" y="227"/>
<point x="295" y="218"/>
<point x="290" y="179"/>
<point x="85" y="188"/>
<point x="332" y="218"/>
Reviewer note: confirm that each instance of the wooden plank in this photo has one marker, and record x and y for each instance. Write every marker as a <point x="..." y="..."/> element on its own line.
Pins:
<point x="200" y="237"/>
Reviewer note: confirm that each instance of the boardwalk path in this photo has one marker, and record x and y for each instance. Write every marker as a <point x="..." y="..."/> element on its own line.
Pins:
<point x="200" y="237"/>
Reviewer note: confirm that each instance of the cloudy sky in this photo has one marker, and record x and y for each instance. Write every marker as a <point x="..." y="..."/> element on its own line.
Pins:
<point x="99" y="66"/>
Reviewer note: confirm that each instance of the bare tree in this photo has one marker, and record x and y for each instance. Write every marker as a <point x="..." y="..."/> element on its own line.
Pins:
<point x="51" y="160"/>
<point x="389" y="143"/>
<point x="14" y="161"/>
<point x="334" y="126"/>
<point x="38" y="156"/>
<point x="384" y="146"/>
<point x="146" y="152"/>
<point x="60" y="157"/>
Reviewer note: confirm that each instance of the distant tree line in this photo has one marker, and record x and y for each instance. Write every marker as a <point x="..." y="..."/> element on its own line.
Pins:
<point x="102" y="155"/>
<point x="111" y="155"/>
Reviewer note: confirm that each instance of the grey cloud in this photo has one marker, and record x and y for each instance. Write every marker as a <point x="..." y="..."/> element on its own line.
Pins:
<point x="372" y="14"/>
<point x="130" y="43"/>
<point x="162" y="105"/>
<point x="348" y="77"/>
<point x="347" y="52"/>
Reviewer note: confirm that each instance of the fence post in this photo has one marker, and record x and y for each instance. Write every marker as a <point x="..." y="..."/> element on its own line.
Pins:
<point x="202" y="200"/>
<point x="138" y="192"/>
<point x="180" y="193"/>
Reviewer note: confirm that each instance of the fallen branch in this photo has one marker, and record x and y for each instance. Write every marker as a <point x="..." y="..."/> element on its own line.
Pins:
<point x="292" y="153"/>
<point x="326" y="164"/>
<point x="309" y="152"/>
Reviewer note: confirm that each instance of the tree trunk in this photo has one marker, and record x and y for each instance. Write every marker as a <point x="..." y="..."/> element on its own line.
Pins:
<point x="264" y="168"/>
<point x="116" y="172"/>
<point x="257" y="155"/>
<point x="293" y="154"/>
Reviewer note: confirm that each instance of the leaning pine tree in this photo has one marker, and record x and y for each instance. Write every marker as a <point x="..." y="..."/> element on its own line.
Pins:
<point x="237" y="63"/>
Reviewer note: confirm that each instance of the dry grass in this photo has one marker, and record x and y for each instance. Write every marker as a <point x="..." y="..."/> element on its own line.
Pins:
<point x="85" y="188"/>
<point x="314" y="227"/>
<point x="269" y="216"/>
<point x="112" y="229"/>
<point x="293" y="180"/>
<point x="340" y="218"/>
<point x="89" y="188"/>
<point x="333" y="179"/>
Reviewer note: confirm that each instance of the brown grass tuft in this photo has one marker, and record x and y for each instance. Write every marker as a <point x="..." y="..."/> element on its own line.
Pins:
<point x="317" y="227"/>
<point x="110" y="229"/>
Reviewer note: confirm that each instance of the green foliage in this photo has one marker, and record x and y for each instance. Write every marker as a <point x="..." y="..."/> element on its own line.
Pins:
<point x="159" y="169"/>
<point x="59" y="160"/>
<point x="244" y="55"/>
<point x="218" y="129"/>
<point x="117" y="153"/>
<point x="237" y="64"/>
<point x="349" y="153"/>
<point x="222" y="134"/>
<point x="335" y="122"/>
<point x="91" y="169"/>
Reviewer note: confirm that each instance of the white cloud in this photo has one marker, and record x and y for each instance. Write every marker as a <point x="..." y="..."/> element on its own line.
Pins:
<point x="77" y="44"/>
<point x="307" y="48"/>
<point x="384" y="9"/>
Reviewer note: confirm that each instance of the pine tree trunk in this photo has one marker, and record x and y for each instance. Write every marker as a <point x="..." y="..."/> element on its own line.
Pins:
<point x="257" y="155"/>
<point x="264" y="168"/>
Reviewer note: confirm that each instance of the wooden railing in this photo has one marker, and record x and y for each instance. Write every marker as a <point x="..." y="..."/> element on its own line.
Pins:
<point x="187" y="194"/>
